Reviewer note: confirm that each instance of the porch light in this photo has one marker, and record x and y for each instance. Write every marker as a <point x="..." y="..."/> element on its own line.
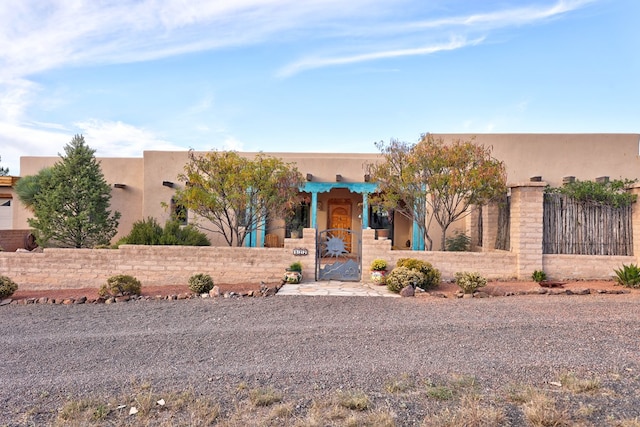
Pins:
<point x="309" y="177"/>
<point x="367" y="178"/>
<point x="119" y="185"/>
<point x="167" y="184"/>
<point x="338" y="178"/>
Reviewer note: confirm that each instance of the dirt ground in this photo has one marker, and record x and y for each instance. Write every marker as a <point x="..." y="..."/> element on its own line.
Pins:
<point x="494" y="288"/>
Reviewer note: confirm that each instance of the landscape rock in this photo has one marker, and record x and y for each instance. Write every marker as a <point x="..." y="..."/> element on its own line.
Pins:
<point x="81" y="300"/>
<point x="214" y="292"/>
<point x="407" y="291"/>
<point x="5" y="301"/>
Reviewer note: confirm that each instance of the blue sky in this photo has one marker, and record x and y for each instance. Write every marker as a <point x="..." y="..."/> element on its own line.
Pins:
<point x="313" y="75"/>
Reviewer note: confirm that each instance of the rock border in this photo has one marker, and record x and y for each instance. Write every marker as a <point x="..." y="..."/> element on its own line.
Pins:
<point x="265" y="291"/>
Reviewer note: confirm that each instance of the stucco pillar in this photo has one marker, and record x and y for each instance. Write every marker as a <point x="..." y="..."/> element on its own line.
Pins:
<point x="490" y="214"/>
<point x="527" y="207"/>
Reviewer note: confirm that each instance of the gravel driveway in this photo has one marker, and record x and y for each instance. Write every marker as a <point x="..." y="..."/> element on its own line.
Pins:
<point x="303" y="345"/>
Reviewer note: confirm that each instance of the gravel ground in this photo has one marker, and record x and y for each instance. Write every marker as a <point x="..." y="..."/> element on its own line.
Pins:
<point x="303" y="346"/>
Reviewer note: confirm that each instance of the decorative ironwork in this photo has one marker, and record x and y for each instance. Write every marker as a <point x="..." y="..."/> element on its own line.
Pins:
<point x="338" y="255"/>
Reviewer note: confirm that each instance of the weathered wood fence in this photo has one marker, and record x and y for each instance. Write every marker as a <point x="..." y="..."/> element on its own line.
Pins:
<point x="580" y="228"/>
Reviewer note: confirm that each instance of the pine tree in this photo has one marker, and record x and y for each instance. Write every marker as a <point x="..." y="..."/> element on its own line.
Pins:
<point x="3" y="171"/>
<point x="74" y="209"/>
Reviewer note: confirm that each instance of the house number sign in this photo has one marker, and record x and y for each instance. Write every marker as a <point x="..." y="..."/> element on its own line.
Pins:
<point x="300" y="251"/>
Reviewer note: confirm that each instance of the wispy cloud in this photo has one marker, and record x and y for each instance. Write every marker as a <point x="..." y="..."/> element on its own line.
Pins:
<point x="118" y="139"/>
<point x="463" y="31"/>
<point x="310" y="63"/>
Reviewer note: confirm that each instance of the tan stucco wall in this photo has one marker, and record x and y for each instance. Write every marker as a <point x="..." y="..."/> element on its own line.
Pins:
<point x="552" y="156"/>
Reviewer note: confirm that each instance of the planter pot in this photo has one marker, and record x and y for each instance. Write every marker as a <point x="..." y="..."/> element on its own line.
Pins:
<point x="295" y="234"/>
<point x="379" y="277"/>
<point x="382" y="234"/>
<point x="292" y="277"/>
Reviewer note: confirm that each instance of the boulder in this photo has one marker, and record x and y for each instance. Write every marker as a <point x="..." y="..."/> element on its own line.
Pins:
<point x="407" y="291"/>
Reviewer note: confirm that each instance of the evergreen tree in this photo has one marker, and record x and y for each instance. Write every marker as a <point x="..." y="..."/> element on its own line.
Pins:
<point x="74" y="209"/>
<point x="3" y="171"/>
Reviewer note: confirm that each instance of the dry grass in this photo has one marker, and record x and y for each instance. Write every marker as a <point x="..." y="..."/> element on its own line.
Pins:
<point x="470" y="412"/>
<point x="402" y="384"/>
<point x="541" y="410"/>
<point x="579" y="385"/>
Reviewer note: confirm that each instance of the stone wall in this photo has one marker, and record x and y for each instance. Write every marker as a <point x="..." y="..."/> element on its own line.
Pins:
<point x="154" y="265"/>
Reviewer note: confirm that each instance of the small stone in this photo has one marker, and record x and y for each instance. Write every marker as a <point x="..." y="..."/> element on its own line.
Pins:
<point x="407" y="291"/>
<point x="480" y="294"/>
<point x="204" y="295"/>
<point x="68" y="301"/>
<point x="81" y="300"/>
<point x="581" y="291"/>
<point x="110" y="300"/>
<point x="214" y="292"/>
<point x="467" y="296"/>
<point x="541" y="291"/>
<point x="182" y="296"/>
<point x="43" y="300"/>
<point x="5" y="301"/>
<point x="133" y="410"/>
<point x="250" y="293"/>
<point x="172" y="297"/>
<point x="31" y="300"/>
<point x="123" y="298"/>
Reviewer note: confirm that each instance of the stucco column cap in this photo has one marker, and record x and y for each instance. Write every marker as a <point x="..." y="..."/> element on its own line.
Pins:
<point x="527" y="184"/>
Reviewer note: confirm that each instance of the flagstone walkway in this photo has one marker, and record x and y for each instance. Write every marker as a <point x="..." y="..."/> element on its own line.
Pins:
<point x="337" y="288"/>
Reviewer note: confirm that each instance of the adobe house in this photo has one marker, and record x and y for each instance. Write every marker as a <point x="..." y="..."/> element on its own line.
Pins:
<point x="337" y="188"/>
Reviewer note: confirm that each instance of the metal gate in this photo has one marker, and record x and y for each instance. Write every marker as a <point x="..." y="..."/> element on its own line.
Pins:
<point x="338" y="255"/>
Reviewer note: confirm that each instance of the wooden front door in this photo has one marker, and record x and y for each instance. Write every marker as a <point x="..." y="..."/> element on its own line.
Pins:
<point x="340" y="217"/>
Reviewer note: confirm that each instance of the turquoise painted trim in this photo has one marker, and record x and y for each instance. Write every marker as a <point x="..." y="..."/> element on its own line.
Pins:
<point x="365" y="211"/>
<point x="314" y="210"/>
<point x="418" y="238"/>
<point x="354" y="187"/>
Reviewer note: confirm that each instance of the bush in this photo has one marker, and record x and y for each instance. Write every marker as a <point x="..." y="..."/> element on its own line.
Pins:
<point x="470" y="282"/>
<point x="401" y="277"/>
<point x="200" y="283"/>
<point x="378" y="265"/>
<point x="188" y="235"/>
<point x="149" y="232"/>
<point x="628" y="276"/>
<point x="459" y="243"/>
<point x="121" y="284"/>
<point x="539" y="276"/>
<point x="7" y="287"/>
<point x="296" y="266"/>
<point x="431" y="276"/>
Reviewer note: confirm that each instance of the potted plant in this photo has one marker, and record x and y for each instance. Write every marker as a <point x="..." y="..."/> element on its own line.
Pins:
<point x="378" y="271"/>
<point x="293" y="273"/>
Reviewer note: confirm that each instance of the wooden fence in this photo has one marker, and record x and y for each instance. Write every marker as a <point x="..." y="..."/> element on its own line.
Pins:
<point x="579" y="228"/>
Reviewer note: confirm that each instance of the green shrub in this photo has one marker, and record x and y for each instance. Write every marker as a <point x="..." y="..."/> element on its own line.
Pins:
<point x="470" y="282"/>
<point x="200" y="283"/>
<point x="401" y="277"/>
<point x="149" y="232"/>
<point x="431" y="275"/>
<point x="378" y="265"/>
<point x="121" y="284"/>
<point x="145" y="232"/>
<point x="7" y="287"/>
<point x="296" y="266"/>
<point x="460" y="242"/>
<point x="628" y="276"/>
<point x="187" y="235"/>
<point x="539" y="276"/>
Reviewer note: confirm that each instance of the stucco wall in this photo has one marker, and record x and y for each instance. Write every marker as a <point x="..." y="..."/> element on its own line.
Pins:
<point x="153" y="265"/>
